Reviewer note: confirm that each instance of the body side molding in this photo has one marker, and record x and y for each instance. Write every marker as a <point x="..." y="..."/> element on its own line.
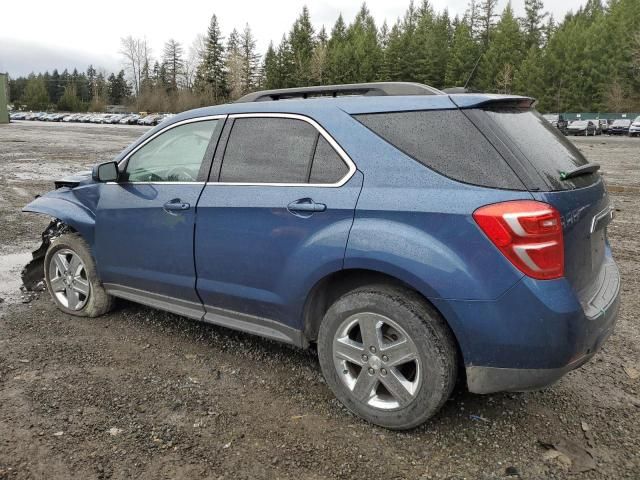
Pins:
<point x="234" y="320"/>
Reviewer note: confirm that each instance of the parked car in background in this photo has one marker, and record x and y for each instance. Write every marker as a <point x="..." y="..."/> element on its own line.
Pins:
<point x="392" y="229"/>
<point x="604" y="125"/>
<point x="557" y="120"/>
<point x="634" y="128"/>
<point x="133" y="119"/>
<point x="620" y="127"/>
<point x="149" y="120"/>
<point x="582" y="127"/>
<point x="598" y="127"/>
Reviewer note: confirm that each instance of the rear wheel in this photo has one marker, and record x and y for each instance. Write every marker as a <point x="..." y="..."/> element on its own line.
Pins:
<point x="388" y="356"/>
<point x="72" y="280"/>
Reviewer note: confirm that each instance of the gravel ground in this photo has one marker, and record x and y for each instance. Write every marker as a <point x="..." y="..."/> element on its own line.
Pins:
<point x="147" y="394"/>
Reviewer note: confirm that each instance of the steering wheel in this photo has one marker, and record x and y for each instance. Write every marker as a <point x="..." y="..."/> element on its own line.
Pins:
<point x="180" y="174"/>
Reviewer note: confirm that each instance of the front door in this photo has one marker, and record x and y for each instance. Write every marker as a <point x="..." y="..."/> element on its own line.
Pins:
<point x="145" y="222"/>
<point x="276" y="221"/>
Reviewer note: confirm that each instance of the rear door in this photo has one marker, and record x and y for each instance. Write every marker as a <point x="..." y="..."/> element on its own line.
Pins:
<point x="275" y="217"/>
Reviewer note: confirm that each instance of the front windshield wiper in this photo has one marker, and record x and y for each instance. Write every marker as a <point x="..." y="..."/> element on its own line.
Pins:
<point x="585" y="169"/>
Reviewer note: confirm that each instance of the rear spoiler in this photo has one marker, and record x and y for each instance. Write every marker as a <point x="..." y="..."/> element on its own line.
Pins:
<point x="470" y="100"/>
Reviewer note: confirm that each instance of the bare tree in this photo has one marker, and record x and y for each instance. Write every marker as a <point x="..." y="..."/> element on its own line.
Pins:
<point x="137" y="56"/>
<point x="195" y="56"/>
<point x="504" y="80"/>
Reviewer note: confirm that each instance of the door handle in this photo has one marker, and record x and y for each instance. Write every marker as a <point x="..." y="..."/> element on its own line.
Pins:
<point x="306" y="205"/>
<point x="176" y="204"/>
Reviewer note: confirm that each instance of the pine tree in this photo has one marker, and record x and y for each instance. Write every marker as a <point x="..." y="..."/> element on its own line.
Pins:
<point x="473" y="18"/>
<point x="270" y="68"/>
<point x="91" y="79"/>
<point x="250" y="60"/>
<point x="302" y="41"/>
<point x="504" y="54"/>
<point x="210" y="75"/>
<point x="532" y="23"/>
<point x="486" y="16"/>
<point x="462" y="57"/>
<point x="384" y="72"/>
<point x="432" y="45"/>
<point x="173" y="62"/>
<point x="319" y="59"/>
<point x="234" y="66"/>
<point x="404" y="48"/>
<point x="529" y="79"/>
<point x="286" y="63"/>
<point x="118" y="90"/>
<point x="337" y="61"/>
<point x="362" y="50"/>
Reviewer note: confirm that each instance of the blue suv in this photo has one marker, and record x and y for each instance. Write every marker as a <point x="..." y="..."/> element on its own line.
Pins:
<point x="415" y="237"/>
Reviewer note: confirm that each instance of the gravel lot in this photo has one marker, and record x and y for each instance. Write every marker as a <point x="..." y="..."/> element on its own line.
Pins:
<point x="146" y="394"/>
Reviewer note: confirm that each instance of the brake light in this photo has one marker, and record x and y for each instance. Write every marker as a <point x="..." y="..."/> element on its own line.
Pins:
<point x="528" y="233"/>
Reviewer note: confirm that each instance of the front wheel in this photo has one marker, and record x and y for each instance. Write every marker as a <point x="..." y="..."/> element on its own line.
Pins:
<point x="388" y="356"/>
<point x="72" y="280"/>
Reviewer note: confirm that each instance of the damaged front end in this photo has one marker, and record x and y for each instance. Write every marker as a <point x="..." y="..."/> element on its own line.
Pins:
<point x="33" y="272"/>
<point x="72" y="208"/>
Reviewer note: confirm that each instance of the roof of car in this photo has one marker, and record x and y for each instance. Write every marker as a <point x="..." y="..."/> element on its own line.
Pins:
<point x="354" y="104"/>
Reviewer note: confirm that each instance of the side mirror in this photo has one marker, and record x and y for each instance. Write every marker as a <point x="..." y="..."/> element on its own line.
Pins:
<point x="105" y="172"/>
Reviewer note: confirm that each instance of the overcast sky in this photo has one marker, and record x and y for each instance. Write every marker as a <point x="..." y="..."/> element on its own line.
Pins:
<point x="38" y="35"/>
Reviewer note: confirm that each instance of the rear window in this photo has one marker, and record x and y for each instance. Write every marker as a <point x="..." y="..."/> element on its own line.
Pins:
<point x="447" y="142"/>
<point x="544" y="146"/>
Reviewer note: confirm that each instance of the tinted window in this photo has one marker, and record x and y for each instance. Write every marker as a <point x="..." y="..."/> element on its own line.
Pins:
<point x="549" y="151"/>
<point x="174" y="156"/>
<point x="268" y="150"/>
<point x="447" y="142"/>
<point x="327" y="167"/>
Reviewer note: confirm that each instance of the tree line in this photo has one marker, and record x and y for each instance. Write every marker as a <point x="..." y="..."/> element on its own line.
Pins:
<point x="588" y="61"/>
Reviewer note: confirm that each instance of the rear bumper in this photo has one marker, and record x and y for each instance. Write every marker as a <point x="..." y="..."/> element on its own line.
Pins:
<point x="533" y="334"/>
<point x="484" y="380"/>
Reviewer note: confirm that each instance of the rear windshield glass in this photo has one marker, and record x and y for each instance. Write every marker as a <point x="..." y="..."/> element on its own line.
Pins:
<point x="543" y="145"/>
<point x="447" y="142"/>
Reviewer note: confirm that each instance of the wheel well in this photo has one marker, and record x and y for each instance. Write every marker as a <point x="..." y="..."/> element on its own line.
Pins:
<point x="332" y="287"/>
<point x="33" y="272"/>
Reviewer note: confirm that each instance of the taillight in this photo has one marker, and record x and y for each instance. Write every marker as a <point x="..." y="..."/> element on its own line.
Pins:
<point x="528" y="233"/>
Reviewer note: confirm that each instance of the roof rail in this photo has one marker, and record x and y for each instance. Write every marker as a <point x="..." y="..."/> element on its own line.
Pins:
<point x="369" y="89"/>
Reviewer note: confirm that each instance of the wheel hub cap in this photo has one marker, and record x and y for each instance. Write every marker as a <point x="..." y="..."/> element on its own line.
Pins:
<point x="375" y="362"/>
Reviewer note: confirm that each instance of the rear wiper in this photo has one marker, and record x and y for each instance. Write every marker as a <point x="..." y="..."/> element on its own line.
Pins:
<point x="582" y="170"/>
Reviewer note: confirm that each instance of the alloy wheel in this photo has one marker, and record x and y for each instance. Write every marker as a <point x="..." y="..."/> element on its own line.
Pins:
<point x="68" y="279"/>
<point x="377" y="361"/>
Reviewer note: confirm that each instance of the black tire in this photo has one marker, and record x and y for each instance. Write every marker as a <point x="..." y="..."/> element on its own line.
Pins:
<point x="434" y="342"/>
<point x="98" y="301"/>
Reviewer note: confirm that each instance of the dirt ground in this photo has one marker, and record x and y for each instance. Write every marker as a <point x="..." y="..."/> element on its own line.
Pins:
<point x="140" y="393"/>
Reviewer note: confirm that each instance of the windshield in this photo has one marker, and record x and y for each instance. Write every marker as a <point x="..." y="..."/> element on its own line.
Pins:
<point x="579" y="123"/>
<point x="549" y="152"/>
<point x="622" y="123"/>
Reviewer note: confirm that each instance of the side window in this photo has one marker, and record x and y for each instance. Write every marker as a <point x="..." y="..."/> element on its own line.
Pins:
<point x="327" y="167"/>
<point x="174" y="156"/>
<point x="447" y="142"/>
<point x="268" y="150"/>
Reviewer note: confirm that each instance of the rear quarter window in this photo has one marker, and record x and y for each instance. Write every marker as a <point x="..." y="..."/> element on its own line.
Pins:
<point x="447" y="142"/>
